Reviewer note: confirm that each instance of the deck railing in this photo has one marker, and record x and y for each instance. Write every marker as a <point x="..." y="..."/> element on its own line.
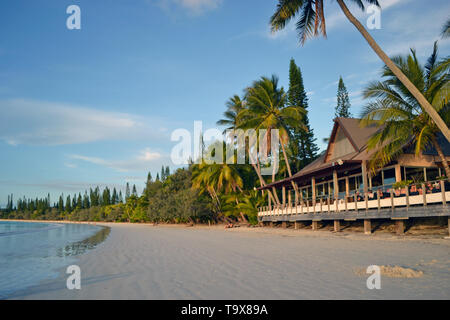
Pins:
<point x="384" y="197"/>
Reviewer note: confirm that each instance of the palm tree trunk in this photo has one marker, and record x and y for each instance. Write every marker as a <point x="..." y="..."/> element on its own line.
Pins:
<point x="241" y="213"/>
<point x="262" y="181"/>
<point x="442" y="156"/>
<point x="398" y="73"/>
<point x="294" y="185"/>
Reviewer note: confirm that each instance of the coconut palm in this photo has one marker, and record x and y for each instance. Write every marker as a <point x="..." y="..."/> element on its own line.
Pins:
<point x="312" y="23"/>
<point x="234" y="106"/>
<point x="403" y="122"/>
<point x="267" y="109"/>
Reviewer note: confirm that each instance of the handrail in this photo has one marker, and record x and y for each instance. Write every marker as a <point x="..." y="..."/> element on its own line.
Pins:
<point x="437" y="191"/>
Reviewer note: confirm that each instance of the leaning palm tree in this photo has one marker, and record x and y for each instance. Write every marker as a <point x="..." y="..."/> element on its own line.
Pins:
<point x="266" y="109"/>
<point x="312" y="23"/>
<point x="402" y="120"/>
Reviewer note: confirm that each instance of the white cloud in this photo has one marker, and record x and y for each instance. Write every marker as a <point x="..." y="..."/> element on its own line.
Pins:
<point x="46" y="123"/>
<point x="143" y="161"/>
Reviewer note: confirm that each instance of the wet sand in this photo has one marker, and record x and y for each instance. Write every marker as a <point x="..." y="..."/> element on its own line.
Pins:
<point x="169" y="262"/>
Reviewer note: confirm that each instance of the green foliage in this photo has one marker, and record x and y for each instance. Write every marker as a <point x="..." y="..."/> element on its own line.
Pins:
<point x="343" y="101"/>
<point x="302" y="149"/>
<point x="402" y="120"/>
<point x="402" y="184"/>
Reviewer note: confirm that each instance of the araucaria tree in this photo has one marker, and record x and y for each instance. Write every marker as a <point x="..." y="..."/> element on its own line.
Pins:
<point x="302" y="147"/>
<point x="343" y="101"/>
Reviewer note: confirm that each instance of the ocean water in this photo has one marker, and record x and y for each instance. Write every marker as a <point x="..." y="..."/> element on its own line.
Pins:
<point x="31" y="252"/>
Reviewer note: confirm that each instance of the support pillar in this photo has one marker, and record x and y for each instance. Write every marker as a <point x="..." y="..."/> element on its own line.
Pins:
<point x="284" y="195"/>
<point x="284" y="224"/>
<point x="337" y="226"/>
<point x="398" y="173"/>
<point x="313" y="187"/>
<point x="400" y="227"/>
<point x="364" y="178"/>
<point x="271" y="224"/>
<point x="448" y="222"/>
<point x="296" y="225"/>
<point x="367" y="226"/>
<point x="315" y="225"/>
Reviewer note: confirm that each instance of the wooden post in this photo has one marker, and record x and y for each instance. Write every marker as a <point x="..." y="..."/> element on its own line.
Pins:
<point x="314" y="225"/>
<point x="328" y="203"/>
<point x="407" y="198"/>
<point x="444" y="200"/>
<point x="347" y="187"/>
<point x="313" y="188"/>
<point x="448" y="223"/>
<point x="284" y="224"/>
<point x="392" y="200"/>
<point x="398" y="173"/>
<point x="284" y="195"/>
<point x="289" y="201"/>
<point x="367" y="226"/>
<point x="424" y="194"/>
<point x="335" y="185"/>
<point x="295" y="225"/>
<point x="337" y="226"/>
<point x="399" y="227"/>
<point x="366" y="187"/>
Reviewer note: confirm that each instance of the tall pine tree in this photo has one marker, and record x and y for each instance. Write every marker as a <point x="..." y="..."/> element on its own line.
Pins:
<point x="343" y="101"/>
<point x="302" y="146"/>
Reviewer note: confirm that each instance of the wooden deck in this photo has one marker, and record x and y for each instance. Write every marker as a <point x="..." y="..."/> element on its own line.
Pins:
<point x="349" y="209"/>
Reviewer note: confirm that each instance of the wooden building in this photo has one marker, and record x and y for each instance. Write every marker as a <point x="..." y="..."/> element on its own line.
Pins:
<point x="338" y="186"/>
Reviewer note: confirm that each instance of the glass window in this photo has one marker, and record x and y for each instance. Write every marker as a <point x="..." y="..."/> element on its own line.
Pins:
<point x="352" y="183"/>
<point x="415" y="174"/>
<point x="377" y="181"/>
<point x="432" y="174"/>
<point x="341" y="185"/>
<point x="359" y="183"/>
<point x="389" y="176"/>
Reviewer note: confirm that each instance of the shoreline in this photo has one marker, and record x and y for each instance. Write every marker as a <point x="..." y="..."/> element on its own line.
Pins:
<point x="353" y="232"/>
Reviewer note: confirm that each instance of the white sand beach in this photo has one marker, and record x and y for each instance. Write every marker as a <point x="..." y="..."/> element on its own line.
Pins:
<point x="165" y="262"/>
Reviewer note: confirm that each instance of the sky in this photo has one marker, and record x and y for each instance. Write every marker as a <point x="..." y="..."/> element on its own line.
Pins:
<point x="97" y="105"/>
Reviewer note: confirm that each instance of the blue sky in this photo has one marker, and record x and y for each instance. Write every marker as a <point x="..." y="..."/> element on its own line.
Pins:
<point x="97" y="106"/>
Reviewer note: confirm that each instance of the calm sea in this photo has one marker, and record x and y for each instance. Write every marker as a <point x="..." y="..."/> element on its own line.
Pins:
<point x="32" y="252"/>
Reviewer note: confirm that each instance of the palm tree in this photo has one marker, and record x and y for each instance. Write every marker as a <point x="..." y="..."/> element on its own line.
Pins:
<point x="446" y="29"/>
<point x="234" y="106"/>
<point x="266" y="109"/>
<point x="402" y="120"/>
<point x="312" y="23"/>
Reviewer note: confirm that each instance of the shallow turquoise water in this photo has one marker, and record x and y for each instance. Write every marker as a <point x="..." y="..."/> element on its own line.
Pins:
<point x="32" y="252"/>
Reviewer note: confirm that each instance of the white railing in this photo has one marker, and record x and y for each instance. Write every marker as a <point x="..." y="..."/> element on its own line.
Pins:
<point x="361" y="202"/>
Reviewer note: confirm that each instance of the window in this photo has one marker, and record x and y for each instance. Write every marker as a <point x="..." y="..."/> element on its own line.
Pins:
<point x="414" y="174"/>
<point x="377" y="181"/>
<point x="352" y="183"/>
<point x="432" y="174"/>
<point x="389" y="176"/>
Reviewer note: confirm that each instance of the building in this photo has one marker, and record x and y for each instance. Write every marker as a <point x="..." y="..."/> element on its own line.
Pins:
<point x="337" y="186"/>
